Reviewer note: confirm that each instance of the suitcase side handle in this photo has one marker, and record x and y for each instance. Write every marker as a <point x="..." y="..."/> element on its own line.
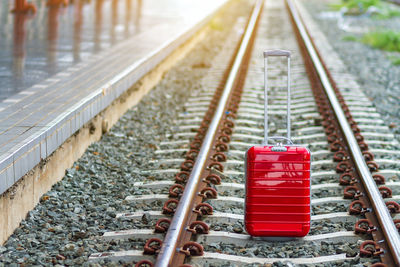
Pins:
<point x="267" y="54"/>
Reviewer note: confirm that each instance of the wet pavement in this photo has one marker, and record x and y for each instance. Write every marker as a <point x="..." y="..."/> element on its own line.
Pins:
<point x="63" y="66"/>
<point x="34" y="47"/>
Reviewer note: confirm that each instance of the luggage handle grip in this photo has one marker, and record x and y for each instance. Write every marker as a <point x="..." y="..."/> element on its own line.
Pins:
<point x="267" y="54"/>
<point x="277" y="53"/>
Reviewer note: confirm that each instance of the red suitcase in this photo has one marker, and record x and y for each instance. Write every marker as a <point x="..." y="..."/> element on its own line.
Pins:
<point x="277" y="180"/>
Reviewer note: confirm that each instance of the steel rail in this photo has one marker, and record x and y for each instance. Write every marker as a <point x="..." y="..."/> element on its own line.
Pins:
<point x="169" y="246"/>
<point x="379" y="206"/>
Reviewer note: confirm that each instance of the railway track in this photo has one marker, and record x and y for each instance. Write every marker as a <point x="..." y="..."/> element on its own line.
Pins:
<point x="65" y="228"/>
<point x="221" y="237"/>
<point x="214" y="233"/>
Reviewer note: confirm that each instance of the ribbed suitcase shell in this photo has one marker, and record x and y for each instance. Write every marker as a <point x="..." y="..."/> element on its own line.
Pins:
<point x="278" y="191"/>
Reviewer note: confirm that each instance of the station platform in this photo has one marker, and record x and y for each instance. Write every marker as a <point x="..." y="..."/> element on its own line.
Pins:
<point x="64" y="65"/>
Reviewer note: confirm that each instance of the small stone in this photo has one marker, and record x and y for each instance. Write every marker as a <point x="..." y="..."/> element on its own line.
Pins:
<point x="60" y="257"/>
<point x="350" y="252"/>
<point x="69" y="247"/>
<point x="237" y="229"/>
<point x="79" y="235"/>
<point x="278" y="264"/>
<point x="58" y="229"/>
<point x="324" y="243"/>
<point x="355" y="260"/>
<point x="339" y="250"/>
<point x="214" y="245"/>
<point x="110" y="209"/>
<point x="68" y="263"/>
<point x="80" y="251"/>
<point x="145" y="218"/>
<point x="44" y="198"/>
<point x="80" y="260"/>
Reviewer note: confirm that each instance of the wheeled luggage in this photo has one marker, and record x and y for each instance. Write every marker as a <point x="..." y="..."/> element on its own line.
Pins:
<point x="277" y="179"/>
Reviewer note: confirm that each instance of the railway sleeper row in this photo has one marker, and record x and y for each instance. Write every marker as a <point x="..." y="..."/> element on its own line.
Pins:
<point x="250" y="113"/>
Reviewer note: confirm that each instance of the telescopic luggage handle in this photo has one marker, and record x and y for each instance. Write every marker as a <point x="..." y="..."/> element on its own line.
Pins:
<point x="267" y="54"/>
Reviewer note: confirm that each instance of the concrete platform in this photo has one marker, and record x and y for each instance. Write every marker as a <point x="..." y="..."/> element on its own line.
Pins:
<point x="37" y="120"/>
